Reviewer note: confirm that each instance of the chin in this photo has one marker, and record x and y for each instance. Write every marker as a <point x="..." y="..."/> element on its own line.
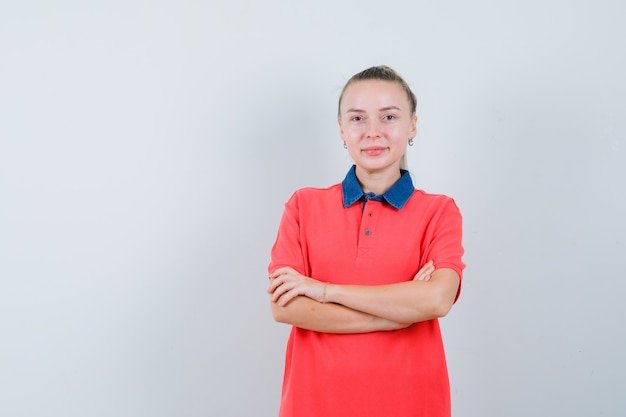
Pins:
<point x="379" y="166"/>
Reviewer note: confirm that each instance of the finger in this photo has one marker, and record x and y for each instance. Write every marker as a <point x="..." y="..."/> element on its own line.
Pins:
<point x="276" y="292"/>
<point x="280" y="291"/>
<point x="426" y="278"/>
<point x="276" y="295"/>
<point x="279" y="278"/>
<point x="281" y="271"/>
<point x="425" y="271"/>
<point x="423" y="277"/>
<point x="428" y="266"/>
<point x="426" y="275"/>
<point x="274" y="283"/>
<point x="287" y="296"/>
<point x="420" y="275"/>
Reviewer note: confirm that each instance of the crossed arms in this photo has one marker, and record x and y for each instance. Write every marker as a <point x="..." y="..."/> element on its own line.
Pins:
<point x="310" y="304"/>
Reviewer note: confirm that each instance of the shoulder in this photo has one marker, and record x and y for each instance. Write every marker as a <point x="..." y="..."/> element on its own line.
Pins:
<point x="436" y="202"/>
<point x="422" y="196"/>
<point x="315" y="194"/>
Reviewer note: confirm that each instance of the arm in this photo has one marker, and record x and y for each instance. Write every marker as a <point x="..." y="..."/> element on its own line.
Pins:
<point x="404" y="302"/>
<point x="303" y="302"/>
<point x="310" y="314"/>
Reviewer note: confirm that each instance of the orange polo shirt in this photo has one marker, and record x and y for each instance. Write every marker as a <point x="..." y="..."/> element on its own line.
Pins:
<point x="341" y="235"/>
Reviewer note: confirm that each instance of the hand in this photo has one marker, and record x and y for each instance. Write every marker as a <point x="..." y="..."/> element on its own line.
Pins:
<point x="286" y="283"/>
<point x="424" y="273"/>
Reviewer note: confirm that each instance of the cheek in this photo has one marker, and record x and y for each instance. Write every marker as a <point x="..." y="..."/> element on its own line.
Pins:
<point x="402" y="132"/>
<point x="350" y="135"/>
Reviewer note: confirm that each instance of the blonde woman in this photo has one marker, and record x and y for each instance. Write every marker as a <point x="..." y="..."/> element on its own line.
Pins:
<point x="364" y="269"/>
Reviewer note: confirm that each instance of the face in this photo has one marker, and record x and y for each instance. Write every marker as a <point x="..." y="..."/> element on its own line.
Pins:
<point x="376" y="123"/>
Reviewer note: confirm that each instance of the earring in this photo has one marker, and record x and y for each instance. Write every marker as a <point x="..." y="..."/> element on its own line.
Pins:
<point x="345" y="146"/>
<point x="411" y="142"/>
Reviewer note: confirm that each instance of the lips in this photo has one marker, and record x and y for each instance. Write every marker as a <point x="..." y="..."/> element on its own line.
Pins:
<point x="374" y="150"/>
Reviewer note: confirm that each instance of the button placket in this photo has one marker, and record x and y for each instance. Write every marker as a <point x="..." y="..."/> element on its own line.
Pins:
<point x="367" y="240"/>
<point x="368" y="219"/>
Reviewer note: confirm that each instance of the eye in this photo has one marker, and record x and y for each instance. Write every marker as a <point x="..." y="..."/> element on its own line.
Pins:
<point x="389" y="117"/>
<point x="357" y="118"/>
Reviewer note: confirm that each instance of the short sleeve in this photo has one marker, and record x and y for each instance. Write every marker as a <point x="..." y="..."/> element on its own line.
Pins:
<point x="444" y="243"/>
<point x="287" y="249"/>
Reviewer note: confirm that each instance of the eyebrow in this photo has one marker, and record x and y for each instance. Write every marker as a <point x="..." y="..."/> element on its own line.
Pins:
<point x="353" y="110"/>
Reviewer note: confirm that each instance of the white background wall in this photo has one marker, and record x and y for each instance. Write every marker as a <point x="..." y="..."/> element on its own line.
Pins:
<point x="147" y="149"/>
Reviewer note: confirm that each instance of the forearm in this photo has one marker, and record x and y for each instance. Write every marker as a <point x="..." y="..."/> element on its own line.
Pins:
<point x="309" y="314"/>
<point x="405" y="302"/>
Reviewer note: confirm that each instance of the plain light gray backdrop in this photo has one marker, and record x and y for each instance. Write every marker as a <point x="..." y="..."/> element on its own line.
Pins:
<point x="147" y="149"/>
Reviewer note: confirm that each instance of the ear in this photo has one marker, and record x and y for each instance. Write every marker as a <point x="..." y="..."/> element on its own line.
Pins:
<point x="413" y="126"/>
<point x="340" y="129"/>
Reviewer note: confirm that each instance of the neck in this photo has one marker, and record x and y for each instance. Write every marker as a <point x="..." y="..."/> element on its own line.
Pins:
<point x="377" y="182"/>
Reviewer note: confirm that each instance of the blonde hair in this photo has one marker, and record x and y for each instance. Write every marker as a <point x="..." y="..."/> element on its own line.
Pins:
<point x="382" y="73"/>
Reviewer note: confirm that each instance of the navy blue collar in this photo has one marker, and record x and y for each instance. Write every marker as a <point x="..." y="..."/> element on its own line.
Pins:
<point x="396" y="196"/>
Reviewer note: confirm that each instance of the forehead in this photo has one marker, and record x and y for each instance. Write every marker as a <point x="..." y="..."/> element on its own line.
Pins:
<point x="374" y="93"/>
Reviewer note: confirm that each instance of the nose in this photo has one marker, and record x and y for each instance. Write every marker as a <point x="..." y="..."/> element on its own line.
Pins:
<point x="373" y="129"/>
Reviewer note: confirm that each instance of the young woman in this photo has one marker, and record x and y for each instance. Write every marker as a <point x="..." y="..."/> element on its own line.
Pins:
<point x="362" y="270"/>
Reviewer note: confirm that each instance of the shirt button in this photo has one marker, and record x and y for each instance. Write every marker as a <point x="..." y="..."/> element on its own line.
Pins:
<point x="368" y="231"/>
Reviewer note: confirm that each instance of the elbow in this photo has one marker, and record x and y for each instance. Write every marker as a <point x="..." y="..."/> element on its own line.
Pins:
<point x="435" y="309"/>
<point x="442" y="309"/>
<point x="441" y="306"/>
<point x="443" y="296"/>
<point x="279" y="313"/>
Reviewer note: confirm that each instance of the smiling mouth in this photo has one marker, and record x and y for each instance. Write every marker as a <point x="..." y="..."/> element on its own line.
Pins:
<point x="374" y="151"/>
